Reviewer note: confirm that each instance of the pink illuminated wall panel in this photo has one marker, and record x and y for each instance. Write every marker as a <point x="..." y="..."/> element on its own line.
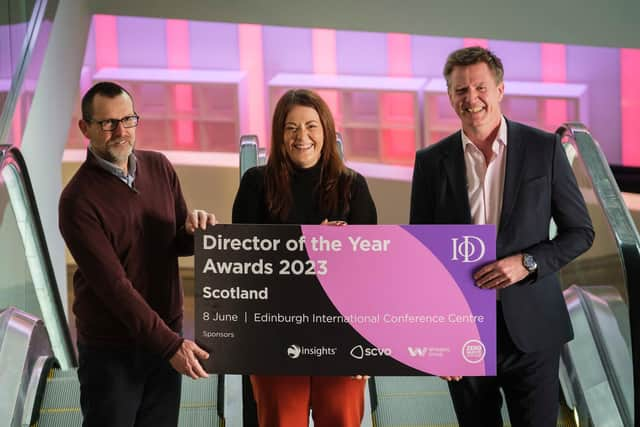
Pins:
<point x="554" y="70"/>
<point x="252" y="61"/>
<point x="178" y="57"/>
<point x="323" y="44"/>
<point x="469" y="42"/>
<point x="630" y="91"/>
<point x="397" y="109"/>
<point x="16" y="123"/>
<point x="106" y="34"/>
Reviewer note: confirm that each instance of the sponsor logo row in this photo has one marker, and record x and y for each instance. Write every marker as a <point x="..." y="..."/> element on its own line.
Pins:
<point x="473" y="351"/>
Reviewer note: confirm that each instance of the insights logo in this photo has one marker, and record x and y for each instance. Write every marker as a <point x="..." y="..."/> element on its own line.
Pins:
<point x="293" y="351"/>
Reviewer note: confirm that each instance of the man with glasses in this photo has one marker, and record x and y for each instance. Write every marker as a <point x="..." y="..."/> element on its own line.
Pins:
<point x="125" y="221"/>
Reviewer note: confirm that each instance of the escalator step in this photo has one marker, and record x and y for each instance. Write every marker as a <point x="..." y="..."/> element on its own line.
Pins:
<point x="61" y="402"/>
<point x="425" y="402"/>
<point x="413" y="402"/>
<point x="198" y="406"/>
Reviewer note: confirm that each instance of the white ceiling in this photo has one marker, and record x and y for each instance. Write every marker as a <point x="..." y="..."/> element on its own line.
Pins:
<point x="588" y="22"/>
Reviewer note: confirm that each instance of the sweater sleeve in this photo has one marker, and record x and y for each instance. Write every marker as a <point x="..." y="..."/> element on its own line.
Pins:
<point x="248" y="206"/>
<point x="362" y="209"/>
<point x="97" y="261"/>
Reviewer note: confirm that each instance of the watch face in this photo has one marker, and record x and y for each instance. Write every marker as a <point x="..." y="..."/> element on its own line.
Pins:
<point x="529" y="262"/>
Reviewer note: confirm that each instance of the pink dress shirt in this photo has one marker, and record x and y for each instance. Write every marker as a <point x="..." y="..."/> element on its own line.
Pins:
<point x="485" y="182"/>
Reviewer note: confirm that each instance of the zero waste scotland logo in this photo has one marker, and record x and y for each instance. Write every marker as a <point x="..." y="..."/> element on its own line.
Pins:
<point x="473" y="351"/>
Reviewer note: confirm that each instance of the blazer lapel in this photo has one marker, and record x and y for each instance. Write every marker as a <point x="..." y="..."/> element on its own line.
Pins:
<point x="453" y="162"/>
<point x="513" y="173"/>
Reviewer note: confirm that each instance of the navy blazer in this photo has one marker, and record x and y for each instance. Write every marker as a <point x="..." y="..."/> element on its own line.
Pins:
<point x="539" y="185"/>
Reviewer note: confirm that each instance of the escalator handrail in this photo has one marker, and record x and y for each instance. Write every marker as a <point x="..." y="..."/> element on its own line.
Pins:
<point x="10" y="155"/>
<point x="621" y="225"/>
<point x="588" y="301"/>
<point x="18" y="78"/>
<point x="607" y="193"/>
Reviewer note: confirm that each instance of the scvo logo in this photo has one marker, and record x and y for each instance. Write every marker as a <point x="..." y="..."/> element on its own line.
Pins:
<point x="359" y="352"/>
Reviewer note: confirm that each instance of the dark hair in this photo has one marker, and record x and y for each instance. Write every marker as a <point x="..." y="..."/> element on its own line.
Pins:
<point x="335" y="178"/>
<point x="108" y="89"/>
<point x="470" y="56"/>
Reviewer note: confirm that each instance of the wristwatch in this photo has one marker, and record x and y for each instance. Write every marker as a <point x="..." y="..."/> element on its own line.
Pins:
<point x="529" y="262"/>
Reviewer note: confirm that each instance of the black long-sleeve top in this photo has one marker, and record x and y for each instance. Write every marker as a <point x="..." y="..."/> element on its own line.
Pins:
<point x="250" y="205"/>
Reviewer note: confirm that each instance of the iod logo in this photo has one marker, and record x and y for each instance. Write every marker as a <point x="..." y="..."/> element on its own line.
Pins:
<point x="294" y="351"/>
<point x="466" y="249"/>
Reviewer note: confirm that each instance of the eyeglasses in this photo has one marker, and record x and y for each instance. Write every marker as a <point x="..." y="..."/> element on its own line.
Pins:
<point x="112" y="124"/>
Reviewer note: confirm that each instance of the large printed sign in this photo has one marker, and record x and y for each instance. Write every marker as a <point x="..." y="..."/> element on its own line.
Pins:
<point x="327" y="300"/>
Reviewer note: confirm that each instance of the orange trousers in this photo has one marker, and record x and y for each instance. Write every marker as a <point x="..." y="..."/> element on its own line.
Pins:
<point x="284" y="401"/>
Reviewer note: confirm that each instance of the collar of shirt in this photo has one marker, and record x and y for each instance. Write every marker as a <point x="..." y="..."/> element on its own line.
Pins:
<point x="500" y="138"/>
<point x="116" y="171"/>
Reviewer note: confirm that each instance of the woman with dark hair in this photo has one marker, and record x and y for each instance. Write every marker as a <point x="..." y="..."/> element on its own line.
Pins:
<point x="305" y="182"/>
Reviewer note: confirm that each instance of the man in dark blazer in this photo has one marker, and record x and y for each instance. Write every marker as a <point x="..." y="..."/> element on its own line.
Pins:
<point x="518" y="178"/>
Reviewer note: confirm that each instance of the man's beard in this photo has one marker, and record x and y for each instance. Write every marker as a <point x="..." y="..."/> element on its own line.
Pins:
<point x="116" y="154"/>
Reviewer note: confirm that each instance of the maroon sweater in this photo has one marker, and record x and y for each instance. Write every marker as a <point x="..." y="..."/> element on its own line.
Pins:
<point x="126" y="243"/>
